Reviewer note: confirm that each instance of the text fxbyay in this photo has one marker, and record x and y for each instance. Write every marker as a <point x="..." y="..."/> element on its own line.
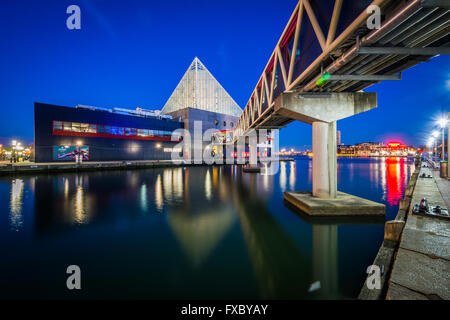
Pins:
<point x="239" y="309"/>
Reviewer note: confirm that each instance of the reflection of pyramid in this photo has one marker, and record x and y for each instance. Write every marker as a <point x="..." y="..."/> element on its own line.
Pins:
<point x="200" y="90"/>
<point x="201" y="233"/>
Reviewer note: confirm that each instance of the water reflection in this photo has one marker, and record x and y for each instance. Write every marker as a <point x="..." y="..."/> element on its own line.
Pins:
<point x="325" y="260"/>
<point x="207" y="232"/>
<point x="144" y="201"/>
<point x="208" y="186"/>
<point x="199" y="233"/>
<point x="282" y="271"/>
<point x="15" y="213"/>
<point x="158" y="193"/>
<point x="292" y="175"/>
<point x="397" y="172"/>
<point x="283" y="176"/>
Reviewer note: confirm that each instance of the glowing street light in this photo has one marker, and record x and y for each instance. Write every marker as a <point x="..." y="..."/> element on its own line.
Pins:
<point x="443" y="123"/>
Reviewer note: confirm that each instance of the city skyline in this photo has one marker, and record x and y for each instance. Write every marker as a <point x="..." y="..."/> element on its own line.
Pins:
<point x="123" y="57"/>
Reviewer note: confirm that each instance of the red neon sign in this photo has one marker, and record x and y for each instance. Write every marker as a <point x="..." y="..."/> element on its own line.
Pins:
<point x="395" y="145"/>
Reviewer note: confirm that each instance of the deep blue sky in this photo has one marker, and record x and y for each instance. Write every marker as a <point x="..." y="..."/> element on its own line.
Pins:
<point x="133" y="53"/>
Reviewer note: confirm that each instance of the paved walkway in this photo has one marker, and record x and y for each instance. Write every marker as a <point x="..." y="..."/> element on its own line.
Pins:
<point x="421" y="269"/>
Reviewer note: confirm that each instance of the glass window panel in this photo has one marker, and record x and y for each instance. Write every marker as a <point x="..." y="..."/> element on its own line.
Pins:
<point x="68" y="126"/>
<point x="57" y="125"/>
<point x="100" y="129"/>
<point x="108" y="129"/>
<point x="83" y="127"/>
<point x="121" y="131"/>
<point x="75" y="127"/>
<point x="92" y="128"/>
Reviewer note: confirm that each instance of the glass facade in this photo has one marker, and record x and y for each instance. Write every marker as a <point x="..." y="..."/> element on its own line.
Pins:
<point x="200" y="90"/>
<point x="106" y="131"/>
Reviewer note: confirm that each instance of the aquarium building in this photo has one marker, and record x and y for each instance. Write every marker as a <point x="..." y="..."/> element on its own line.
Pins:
<point x="116" y="134"/>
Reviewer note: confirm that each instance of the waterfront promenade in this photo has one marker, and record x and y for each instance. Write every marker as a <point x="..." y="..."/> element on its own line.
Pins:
<point x="7" y="168"/>
<point x="53" y="167"/>
<point x="421" y="270"/>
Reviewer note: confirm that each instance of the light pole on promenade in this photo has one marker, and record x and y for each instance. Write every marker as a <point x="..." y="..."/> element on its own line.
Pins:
<point x="443" y="123"/>
<point x="435" y="134"/>
<point x="430" y="144"/>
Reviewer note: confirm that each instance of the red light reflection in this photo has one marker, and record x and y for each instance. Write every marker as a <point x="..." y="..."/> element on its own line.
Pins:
<point x="395" y="180"/>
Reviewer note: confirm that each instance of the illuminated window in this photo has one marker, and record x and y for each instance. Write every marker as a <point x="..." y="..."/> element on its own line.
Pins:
<point x="76" y="127"/>
<point x="57" y="125"/>
<point x="84" y="129"/>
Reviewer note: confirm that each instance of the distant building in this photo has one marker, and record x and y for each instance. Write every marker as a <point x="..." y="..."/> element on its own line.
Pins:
<point x="344" y="150"/>
<point x="338" y="137"/>
<point x="372" y="149"/>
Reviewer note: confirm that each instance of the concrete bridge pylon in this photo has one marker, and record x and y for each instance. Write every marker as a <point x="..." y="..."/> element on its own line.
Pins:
<point x="322" y="111"/>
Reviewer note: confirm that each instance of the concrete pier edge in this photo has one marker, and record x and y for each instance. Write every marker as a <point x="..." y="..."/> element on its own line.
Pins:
<point x="89" y="167"/>
<point x="410" y="256"/>
<point x="343" y="205"/>
<point x="386" y="254"/>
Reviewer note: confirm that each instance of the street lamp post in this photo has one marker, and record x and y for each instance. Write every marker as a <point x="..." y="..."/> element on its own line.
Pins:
<point x="443" y="122"/>
<point x="435" y="134"/>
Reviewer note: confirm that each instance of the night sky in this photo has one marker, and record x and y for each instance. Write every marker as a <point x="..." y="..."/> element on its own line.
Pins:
<point x="133" y="53"/>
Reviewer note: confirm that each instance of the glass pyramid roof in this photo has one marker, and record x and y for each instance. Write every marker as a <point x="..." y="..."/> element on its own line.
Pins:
<point x="200" y="90"/>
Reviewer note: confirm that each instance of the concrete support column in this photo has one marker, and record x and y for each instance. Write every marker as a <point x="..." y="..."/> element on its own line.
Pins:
<point x="324" y="160"/>
<point x="253" y="154"/>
